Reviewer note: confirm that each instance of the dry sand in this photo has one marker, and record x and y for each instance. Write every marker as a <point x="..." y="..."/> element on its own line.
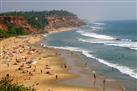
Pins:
<point x="63" y="29"/>
<point x="31" y="65"/>
<point x="46" y="69"/>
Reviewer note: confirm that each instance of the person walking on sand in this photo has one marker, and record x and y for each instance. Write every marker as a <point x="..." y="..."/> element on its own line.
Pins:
<point x="41" y="71"/>
<point x="65" y="66"/>
<point x="104" y="84"/>
<point x="123" y="89"/>
<point x="94" y="78"/>
<point x="56" y="76"/>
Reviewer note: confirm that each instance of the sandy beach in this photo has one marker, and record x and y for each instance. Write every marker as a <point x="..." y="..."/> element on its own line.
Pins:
<point x="62" y="29"/>
<point x="48" y="69"/>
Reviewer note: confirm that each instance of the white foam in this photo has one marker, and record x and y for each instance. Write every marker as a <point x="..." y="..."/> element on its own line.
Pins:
<point x="98" y="23"/>
<point x="96" y="28"/>
<point x="126" y="44"/>
<point x="130" y="45"/>
<point x="45" y="35"/>
<point x="94" y="35"/>
<point x="126" y="40"/>
<point x="76" y="49"/>
<point x="122" y="69"/>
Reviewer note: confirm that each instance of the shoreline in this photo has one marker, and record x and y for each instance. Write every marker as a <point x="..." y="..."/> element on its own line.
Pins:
<point x="113" y="84"/>
<point x="82" y="69"/>
<point x="62" y="29"/>
<point x="73" y="77"/>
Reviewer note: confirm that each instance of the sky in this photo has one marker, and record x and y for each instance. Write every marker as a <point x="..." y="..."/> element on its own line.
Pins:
<point x="86" y="9"/>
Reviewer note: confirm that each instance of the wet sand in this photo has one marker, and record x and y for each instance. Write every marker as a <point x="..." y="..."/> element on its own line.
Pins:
<point x="85" y="74"/>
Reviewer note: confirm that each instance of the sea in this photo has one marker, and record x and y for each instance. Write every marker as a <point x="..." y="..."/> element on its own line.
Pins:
<point x="109" y="46"/>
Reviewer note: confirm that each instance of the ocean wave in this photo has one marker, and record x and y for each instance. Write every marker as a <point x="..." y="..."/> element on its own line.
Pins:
<point x="123" y="69"/>
<point x="67" y="48"/>
<point x="95" y="35"/>
<point x="76" y="49"/>
<point x="126" y="40"/>
<point x="97" y="28"/>
<point x="98" y="23"/>
<point x="90" y="27"/>
<point x="125" y="44"/>
<point x="130" y="45"/>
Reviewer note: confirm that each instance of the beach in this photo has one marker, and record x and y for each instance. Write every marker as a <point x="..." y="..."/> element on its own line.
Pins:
<point x="48" y="69"/>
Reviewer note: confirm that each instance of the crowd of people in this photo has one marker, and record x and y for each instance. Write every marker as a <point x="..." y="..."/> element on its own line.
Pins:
<point x="20" y="59"/>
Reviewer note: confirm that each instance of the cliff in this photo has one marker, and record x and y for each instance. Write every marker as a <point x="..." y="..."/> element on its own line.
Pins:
<point x="18" y="21"/>
<point x="37" y="22"/>
<point x="65" y="21"/>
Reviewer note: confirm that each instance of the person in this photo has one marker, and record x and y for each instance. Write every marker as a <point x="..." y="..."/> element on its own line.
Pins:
<point x="30" y="73"/>
<point x="65" y="66"/>
<point x="94" y="76"/>
<point x="56" y="76"/>
<point x="7" y="75"/>
<point x="35" y="68"/>
<point x="41" y="71"/>
<point x="123" y="89"/>
<point x="47" y="67"/>
<point x="104" y="84"/>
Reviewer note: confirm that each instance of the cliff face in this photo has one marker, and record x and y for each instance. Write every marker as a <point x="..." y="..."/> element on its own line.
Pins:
<point x="18" y="21"/>
<point x="15" y="23"/>
<point x="66" y="21"/>
<point x="53" y="22"/>
<point x="3" y="27"/>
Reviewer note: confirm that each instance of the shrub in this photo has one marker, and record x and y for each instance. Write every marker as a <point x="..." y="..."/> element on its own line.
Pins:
<point x="3" y="33"/>
<point x="6" y="84"/>
<point x="13" y="30"/>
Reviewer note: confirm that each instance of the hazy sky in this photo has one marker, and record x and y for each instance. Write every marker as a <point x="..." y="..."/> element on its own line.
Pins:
<point x="86" y="9"/>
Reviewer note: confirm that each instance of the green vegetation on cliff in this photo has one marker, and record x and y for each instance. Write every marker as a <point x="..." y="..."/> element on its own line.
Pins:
<point x="21" y="23"/>
<point x="12" y="30"/>
<point x="39" y="13"/>
<point x="38" y="19"/>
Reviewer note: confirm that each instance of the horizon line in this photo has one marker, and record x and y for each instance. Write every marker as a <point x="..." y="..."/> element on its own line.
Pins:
<point x="99" y="1"/>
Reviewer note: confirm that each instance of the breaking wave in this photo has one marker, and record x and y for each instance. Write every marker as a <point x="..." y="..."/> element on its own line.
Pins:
<point x="95" y="35"/>
<point x="125" y="44"/>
